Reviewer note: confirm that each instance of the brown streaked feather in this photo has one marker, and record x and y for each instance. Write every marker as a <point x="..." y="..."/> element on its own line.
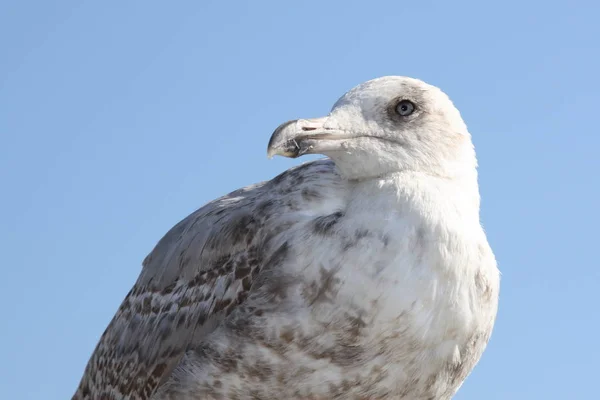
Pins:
<point x="154" y="326"/>
<point x="194" y="277"/>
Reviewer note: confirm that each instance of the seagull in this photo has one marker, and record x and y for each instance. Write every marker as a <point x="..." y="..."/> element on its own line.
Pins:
<point x="363" y="275"/>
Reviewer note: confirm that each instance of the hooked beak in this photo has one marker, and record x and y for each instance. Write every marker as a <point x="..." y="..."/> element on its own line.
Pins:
<point x="304" y="136"/>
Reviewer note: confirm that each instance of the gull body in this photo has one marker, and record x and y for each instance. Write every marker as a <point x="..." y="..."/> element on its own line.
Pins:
<point x="366" y="275"/>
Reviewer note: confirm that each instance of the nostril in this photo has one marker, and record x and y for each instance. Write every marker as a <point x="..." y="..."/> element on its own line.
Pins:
<point x="308" y="128"/>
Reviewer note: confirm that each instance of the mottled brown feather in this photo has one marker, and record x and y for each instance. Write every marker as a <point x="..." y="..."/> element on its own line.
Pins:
<point x="195" y="276"/>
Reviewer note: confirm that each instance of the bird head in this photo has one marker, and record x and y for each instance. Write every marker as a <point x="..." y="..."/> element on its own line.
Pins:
<point x="382" y="126"/>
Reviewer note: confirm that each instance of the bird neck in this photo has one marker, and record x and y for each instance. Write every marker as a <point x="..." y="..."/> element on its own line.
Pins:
<point x="419" y="191"/>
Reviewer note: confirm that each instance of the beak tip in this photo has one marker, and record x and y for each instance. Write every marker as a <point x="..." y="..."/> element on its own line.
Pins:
<point x="274" y="147"/>
<point x="272" y="152"/>
<point x="283" y="143"/>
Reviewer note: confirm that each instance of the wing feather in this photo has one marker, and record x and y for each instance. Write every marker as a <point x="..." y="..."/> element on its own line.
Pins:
<point x="194" y="277"/>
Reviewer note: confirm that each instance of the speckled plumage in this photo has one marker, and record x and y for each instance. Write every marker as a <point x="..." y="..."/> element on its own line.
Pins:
<point x="366" y="276"/>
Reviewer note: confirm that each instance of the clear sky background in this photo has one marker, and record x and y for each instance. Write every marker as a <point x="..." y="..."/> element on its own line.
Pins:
<point x="117" y="119"/>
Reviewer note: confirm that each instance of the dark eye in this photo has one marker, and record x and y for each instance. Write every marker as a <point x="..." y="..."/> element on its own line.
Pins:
<point x="405" y="108"/>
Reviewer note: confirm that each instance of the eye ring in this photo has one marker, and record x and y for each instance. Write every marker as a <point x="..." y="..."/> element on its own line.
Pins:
<point x="404" y="108"/>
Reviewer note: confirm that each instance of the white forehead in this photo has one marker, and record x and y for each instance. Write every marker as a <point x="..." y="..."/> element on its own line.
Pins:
<point x="380" y="91"/>
<point x="367" y="102"/>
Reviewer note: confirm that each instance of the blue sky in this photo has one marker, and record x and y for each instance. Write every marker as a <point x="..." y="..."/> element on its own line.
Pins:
<point x="117" y="119"/>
